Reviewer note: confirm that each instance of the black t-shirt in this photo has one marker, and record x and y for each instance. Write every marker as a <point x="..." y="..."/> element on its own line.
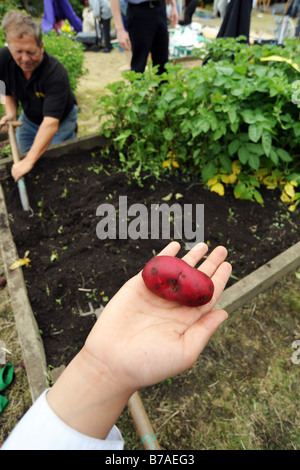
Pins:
<point x="46" y="93"/>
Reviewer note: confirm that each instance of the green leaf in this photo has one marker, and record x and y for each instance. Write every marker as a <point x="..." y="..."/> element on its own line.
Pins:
<point x="220" y="81"/>
<point x="273" y="156"/>
<point x="248" y="116"/>
<point x="224" y="70"/>
<point x="254" y="132"/>
<point x="233" y="147"/>
<point x="284" y="155"/>
<point x="160" y="114"/>
<point x="168" y="134"/>
<point x="204" y="125"/>
<point x="242" y="192"/>
<point x="237" y="91"/>
<point x="234" y="127"/>
<point x="232" y="115"/>
<point x="296" y="127"/>
<point x="122" y="136"/>
<point x="218" y="134"/>
<point x="258" y="197"/>
<point x="208" y="171"/>
<point x="267" y="142"/>
<point x="254" y="161"/>
<point x="243" y="155"/>
<point x="226" y="163"/>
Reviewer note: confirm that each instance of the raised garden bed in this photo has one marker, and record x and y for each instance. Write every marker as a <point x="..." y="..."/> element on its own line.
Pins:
<point x="71" y="268"/>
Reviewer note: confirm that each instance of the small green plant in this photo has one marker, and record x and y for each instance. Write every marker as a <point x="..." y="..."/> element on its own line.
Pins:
<point x="64" y="194"/>
<point x="54" y="256"/>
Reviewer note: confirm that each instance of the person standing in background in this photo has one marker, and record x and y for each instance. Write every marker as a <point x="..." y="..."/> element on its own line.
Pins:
<point x="220" y="8"/>
<point x="102" y="14"/>
<point x="147" y="31"/>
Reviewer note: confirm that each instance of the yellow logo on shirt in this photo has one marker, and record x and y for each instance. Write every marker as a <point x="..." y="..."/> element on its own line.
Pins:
<point x="39" y="94"/>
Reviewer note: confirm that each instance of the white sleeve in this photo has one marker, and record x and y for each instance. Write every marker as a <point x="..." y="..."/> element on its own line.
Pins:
<point x="41" y="429"/>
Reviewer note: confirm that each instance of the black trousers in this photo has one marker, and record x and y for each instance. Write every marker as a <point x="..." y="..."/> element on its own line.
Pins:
<point x="105" y="28"/>
<point x="189" y="11"/>
<point x="148" y="32"/>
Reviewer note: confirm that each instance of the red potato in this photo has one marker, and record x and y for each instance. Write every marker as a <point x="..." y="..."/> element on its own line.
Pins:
<point x="173" y="279"/>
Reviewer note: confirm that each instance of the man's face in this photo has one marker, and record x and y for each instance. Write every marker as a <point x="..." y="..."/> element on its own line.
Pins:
<point x="26" y="53"/>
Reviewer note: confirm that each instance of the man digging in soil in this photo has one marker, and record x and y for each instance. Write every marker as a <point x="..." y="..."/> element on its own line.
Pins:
<point x="41" y="84"/>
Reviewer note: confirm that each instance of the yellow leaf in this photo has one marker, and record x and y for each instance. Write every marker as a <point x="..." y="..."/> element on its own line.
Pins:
<point x="277" y="58"/>
<point x="284" y="197"/>
<point x="20" y="262"/>
<point x="289" y="190"/>
<point x="232" y="178"/>
<point x="270" y="181"/>
<point x="168" y="197"/>
<point x="212" y="180"/>
<point x="224" y="178"/>
<point x="236" y="167"/>
<point x="175" y="163"/>
<point x="178" y="195"/>
<point x="166" y="163"/>
<point x="229" y="179"/>
<point x="292" y="207"/>
<point x="218" y="188"/>
<point x="262" y="172"/>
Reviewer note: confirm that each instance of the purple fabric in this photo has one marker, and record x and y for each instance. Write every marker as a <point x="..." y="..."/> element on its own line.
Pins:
<point x="62" y="9"/>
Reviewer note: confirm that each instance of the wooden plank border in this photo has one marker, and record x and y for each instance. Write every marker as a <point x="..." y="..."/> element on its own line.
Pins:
<point x="30" y="339"/>
<point x="243" y="291"/>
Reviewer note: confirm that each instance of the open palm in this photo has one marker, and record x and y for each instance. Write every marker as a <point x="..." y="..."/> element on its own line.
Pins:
<point x="143" y="339"/>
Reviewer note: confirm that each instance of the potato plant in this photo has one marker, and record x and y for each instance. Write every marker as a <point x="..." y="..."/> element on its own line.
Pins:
<point x="222" y="122"/>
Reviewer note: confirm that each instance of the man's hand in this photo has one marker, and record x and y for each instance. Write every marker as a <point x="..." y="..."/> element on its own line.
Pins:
<point x="42" y="141"/>
<point x="21" y="168"/>
<point x="174" y="15"/>
<point x="123" y="39"/>
<point x="5" y="119"/>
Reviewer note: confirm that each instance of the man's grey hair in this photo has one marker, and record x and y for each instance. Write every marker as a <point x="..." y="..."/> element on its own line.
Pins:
<point x="17" y="24"/>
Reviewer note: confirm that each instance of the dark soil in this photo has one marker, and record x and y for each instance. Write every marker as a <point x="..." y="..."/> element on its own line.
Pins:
<point x="71" y="267"/>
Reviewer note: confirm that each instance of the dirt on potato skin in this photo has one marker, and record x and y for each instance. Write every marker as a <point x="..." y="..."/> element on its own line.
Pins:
<point x="73" y="270"/>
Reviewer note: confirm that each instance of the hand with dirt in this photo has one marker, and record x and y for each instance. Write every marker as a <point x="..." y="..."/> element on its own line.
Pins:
<point x="139" y="340"/>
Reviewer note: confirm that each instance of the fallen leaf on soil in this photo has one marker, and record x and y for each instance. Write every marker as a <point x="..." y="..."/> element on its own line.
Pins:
<point x="21" y="262"/>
